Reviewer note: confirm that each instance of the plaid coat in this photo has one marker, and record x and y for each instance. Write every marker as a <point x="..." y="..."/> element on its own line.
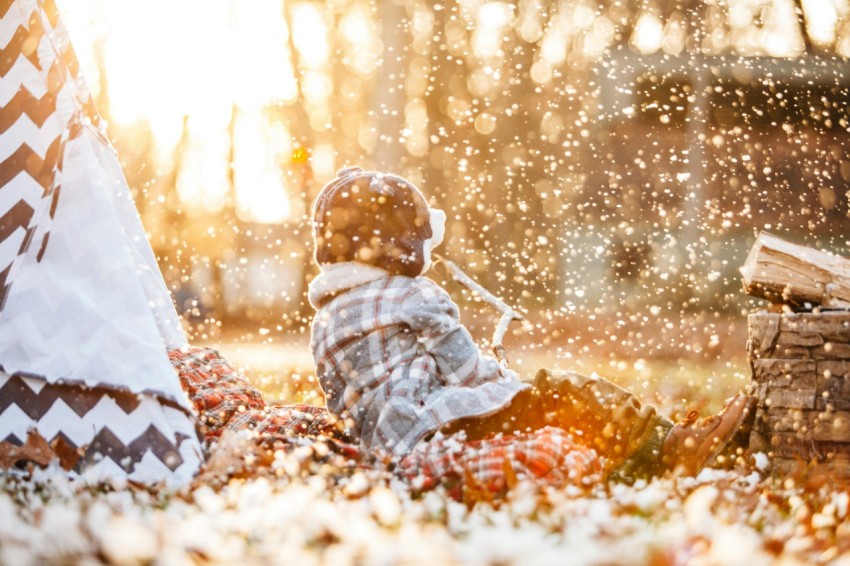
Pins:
<point x="392" y="357"/>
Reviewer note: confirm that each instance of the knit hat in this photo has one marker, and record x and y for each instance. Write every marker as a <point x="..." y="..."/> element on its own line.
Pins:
<point x="376" y="219"/>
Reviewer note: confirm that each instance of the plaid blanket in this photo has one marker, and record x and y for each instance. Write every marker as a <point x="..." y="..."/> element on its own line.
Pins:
<point x="225" y="399"/>
<point x="486" y="469"/>
<point x="469" y="470"/>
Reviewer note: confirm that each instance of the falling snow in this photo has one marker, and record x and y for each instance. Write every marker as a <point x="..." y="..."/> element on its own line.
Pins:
<point x="605" y="167"/>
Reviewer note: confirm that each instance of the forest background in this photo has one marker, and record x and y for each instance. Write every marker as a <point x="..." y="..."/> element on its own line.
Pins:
<point x="605" y="165"/>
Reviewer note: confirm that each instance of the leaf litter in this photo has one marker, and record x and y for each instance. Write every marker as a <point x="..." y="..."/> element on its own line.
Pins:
<point x="257" y="506"/>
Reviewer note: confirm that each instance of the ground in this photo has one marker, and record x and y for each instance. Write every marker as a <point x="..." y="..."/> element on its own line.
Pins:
<point x="298" y="508"/>
<point x="299" y="515"/>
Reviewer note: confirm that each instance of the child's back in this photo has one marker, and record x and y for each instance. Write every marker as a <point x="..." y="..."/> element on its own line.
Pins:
<point x="396" y="364"/>
<point x="391" y="356"/>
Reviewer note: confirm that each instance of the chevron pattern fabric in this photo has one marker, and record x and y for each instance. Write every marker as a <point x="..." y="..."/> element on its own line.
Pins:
<point x="119" y="434"/>
<point x="79" y="305"/>
<point x="38" y="87"/>
<point x="85" y="316"/>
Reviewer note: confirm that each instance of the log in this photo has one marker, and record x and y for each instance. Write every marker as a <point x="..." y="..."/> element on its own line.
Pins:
<point x="787" y="273"/>
<point x="801" y="380"/>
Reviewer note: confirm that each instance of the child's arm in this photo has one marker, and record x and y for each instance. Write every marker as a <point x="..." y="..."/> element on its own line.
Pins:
<point x="433" y="317"/>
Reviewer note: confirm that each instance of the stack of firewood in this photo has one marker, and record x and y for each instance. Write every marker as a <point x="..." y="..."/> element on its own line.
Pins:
<point x="799" y="350"/>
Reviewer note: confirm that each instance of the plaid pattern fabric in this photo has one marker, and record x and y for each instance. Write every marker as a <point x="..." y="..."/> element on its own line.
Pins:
<point x="392" y="356"/>
<point x="225" y="399"/>
<point x="489" y="468"/>
<point x="217" y="390"/>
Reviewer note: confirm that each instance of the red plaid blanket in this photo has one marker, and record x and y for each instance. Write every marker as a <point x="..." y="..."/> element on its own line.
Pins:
<point x="487" y="468"/>
<point x="484" y="469"/>
<point x="225" y="399"/>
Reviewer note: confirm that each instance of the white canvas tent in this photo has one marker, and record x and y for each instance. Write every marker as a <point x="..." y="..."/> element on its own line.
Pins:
<point x="85" y="317"/>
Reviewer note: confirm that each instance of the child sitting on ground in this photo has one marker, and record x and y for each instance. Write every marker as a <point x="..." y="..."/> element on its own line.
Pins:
<point x="396" y="364"/>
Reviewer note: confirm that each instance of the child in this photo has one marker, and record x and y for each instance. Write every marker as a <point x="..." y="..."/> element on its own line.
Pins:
<point x="396" y="364"/>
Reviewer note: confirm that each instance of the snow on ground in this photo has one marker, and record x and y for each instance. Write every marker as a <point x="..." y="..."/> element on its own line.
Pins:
<point x="292" y="510"/>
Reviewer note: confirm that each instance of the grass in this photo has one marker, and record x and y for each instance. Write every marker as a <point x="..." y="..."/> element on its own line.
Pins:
<point x="299" y="508"/>
<point x="678" y="366"/>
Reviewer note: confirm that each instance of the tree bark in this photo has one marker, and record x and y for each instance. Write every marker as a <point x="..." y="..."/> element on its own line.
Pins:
<point x="389" y="97"/>
<point x="808" y="46"/>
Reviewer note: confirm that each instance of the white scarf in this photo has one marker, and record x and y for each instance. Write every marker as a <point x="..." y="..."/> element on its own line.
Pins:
<point x="336" y="277"/>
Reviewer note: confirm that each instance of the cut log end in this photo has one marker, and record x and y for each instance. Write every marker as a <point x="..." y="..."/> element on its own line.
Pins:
<point x="783" y="272"/>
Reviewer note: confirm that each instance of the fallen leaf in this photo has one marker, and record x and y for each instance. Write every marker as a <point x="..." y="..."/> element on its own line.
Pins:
<point x="68" y="455"/>
<point x="35" y="450"/>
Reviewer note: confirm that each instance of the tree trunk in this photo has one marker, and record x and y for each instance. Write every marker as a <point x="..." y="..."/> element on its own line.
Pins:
<point x="389" y="96"/>
<point x="808" y="46"/>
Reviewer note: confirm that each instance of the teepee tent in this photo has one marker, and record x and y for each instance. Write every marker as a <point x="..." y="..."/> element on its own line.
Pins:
<point x="85" y="317"/>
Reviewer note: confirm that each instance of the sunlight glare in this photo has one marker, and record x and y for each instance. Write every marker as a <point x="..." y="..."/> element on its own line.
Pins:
<point x="260" y="191"/>
<point x="822" y="17"/>
<point x="491" y="21"/>
<point x="363" y="38"/>
<point x="649" y="33"/>
<point x="203" y="177"/>
<point x="310" y="34"/>
<point x="202" y="59"/>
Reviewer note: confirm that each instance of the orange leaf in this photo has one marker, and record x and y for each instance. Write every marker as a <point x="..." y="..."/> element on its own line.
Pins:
<point x="67" y="454"/>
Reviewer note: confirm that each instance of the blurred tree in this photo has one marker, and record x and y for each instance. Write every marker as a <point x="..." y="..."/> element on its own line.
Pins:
<point x="551" y="131"/>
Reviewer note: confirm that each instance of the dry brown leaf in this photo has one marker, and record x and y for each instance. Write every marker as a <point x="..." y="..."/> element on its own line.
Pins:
<point x="510" y="475"/>
<point x="475" y="491"/>
<point x="67" y="454"/>
<point x="231" y="457"/>
<point x="35" y="450"/>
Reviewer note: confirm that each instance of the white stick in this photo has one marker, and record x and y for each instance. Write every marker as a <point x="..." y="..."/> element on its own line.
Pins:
<point x="508" y="314"/>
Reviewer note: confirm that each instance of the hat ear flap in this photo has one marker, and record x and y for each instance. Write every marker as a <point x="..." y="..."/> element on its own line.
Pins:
<point x="437" y="220"/>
